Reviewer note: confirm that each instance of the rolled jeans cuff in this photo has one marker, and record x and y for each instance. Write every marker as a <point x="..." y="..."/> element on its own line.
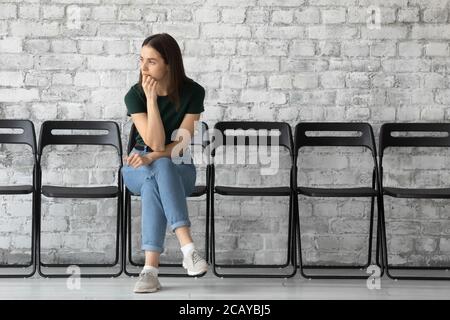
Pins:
<point x="149" y="247"/>
<point x="181" y="223"/>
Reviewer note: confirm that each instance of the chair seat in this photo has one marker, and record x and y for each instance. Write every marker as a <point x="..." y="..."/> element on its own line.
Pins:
<point x="22" y="189"/>
<point x="337" y="192"/>
<point x="80" y="192"/>
<point x="435" y="193"/>
<point x="198" y="191"/>
<point x="239" y="191"/>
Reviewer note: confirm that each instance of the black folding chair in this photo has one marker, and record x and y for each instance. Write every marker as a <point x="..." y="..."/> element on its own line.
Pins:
<point x="200" y="138"/>
<point x="27" y="136"/>
<point x="365" y="139"/>
<point x="285" y="140"/>
<point x="388" y="140"/>
<point x="111" y="138"/>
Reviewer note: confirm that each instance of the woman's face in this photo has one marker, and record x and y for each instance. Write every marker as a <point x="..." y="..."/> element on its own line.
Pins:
<point x="152" y="64"/>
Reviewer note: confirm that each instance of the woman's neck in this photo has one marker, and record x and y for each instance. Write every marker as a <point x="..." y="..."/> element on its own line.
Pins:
<point x="162" y="88"/>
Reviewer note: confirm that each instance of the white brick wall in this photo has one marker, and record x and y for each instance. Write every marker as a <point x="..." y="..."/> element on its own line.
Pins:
<point x="283" y="60"/>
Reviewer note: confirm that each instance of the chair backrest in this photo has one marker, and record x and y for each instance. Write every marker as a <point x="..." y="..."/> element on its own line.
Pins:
<point x="364" y="139"/>
<point x="112" y="137"/>
<point x="284" y="139"/>
<point x="28" y="135"/>
<point x="387" y="140"/>
<point x="200" y="136"/>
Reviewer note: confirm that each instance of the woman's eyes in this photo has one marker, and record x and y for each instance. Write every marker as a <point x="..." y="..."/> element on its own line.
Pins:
<point x="140" y="60"/>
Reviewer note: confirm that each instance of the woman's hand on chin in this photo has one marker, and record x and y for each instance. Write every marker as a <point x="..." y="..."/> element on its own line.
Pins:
<point x="149" y="85"/>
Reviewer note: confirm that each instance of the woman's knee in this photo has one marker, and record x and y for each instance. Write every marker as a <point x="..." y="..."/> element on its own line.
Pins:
<point x="163" y="163"/>
<point x="135" y="177"/>
<point x="189" y="184"/>
<point x="141" y="170"/>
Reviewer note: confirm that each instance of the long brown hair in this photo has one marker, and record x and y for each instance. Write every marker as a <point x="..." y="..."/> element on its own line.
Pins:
<point x="169" y="50"/>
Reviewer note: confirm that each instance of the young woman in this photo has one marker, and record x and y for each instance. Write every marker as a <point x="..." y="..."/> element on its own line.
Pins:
<point x="163" y="101"/>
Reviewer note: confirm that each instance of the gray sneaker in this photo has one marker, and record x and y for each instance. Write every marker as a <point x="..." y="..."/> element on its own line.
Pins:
<point x="195" y="264"/>
<point x="147" y="283"/>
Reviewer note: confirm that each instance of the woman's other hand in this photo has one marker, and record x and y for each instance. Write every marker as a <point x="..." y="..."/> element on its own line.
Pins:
<point x="136" y="160"/>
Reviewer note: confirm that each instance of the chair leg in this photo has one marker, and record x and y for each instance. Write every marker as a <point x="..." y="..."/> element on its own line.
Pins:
<point x="379" y="250"/>
<point x="38" y="237"/>
<point x="207" y="249"/>
<point x="40" y="264"/>
<point x="128" y="248"/>
<point x="215" y="266"/>
<point x="120" y="228"/>
<point x="213" y="237"/>
<point x="294" y="234"/>
<point x="32" y="263"/>
<point x="123" y="233"/>
<point x="290" y="258"/>
<point x="371" y="224"/>
<point x="298" y="235"/>
<point x="389" y="268"/>
<point x="126" y="232"/>
<point x="339" y="276"/>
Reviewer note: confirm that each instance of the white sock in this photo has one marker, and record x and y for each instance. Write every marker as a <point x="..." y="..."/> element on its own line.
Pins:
<point x="187" y="248"/>
<point x="152" y="270"/>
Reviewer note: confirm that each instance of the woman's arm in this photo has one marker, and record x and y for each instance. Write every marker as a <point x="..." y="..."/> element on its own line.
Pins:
<point x="186" y="128"/>
<point x="149" y="125"/>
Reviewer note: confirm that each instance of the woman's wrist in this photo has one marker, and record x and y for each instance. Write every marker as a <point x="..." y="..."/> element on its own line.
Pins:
<point x="149" y="156"/>
<point x="151" y="103"/>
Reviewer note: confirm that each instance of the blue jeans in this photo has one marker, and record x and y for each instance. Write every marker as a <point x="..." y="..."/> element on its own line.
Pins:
<point x="163" y="186"/>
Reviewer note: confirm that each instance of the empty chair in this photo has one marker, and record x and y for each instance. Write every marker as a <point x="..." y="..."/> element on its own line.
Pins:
<point x="200" y="138"/>
<point x="111" y="138"/>
<point x="28" y="137"/>
<point x="303" y="138"/>
<point x="221" y="138"/>
<point x="398" y="141"/>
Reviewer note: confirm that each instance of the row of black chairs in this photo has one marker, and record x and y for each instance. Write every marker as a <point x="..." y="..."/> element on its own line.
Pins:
<point x="293" y="143"/>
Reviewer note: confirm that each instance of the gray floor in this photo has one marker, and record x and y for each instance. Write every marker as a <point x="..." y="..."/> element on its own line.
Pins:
<point x="211" y="287"/>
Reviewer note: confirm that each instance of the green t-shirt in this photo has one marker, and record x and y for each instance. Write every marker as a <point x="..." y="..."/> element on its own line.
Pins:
<point x="192" y="96"/>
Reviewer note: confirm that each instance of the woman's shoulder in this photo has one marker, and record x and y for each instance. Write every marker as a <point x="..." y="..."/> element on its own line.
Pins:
<point x="193" y="87"/>
<point x="135" y="92"/>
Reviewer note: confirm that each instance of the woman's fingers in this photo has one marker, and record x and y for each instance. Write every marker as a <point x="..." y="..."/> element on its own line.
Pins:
<point x="135" y="161"/>
<point x="149" y="83"/>
<point x="127" y="159"/>
<point x="153" y="87"/>
<point x="131" y="158"/>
